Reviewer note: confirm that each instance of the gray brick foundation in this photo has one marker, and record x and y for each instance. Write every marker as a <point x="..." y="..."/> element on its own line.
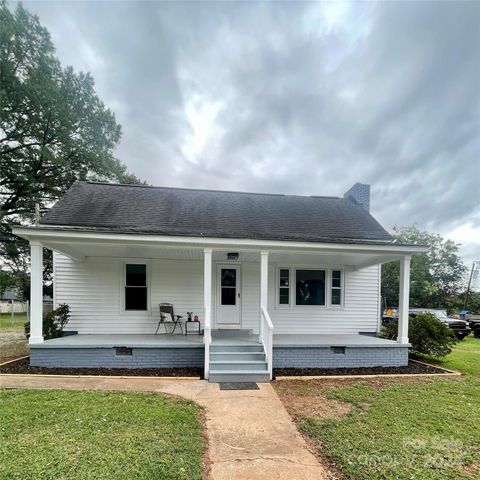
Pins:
<point x="283" y="357"/>
<point x="324" y="357"/>
<point x="107" y="358"/>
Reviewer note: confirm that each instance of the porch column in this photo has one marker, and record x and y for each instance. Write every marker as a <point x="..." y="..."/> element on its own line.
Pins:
<point x="207" y="303"/>
<point x="403" y="303"/>
<point x="36" y="292"/>
<point x="263" y="288"/>
<point x="264" y="279"/>
<point x="207" y="285"/>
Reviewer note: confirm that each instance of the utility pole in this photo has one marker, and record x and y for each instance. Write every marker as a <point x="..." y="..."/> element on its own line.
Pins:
<point x="37" y="213"/>
<point x="474" y="264"/>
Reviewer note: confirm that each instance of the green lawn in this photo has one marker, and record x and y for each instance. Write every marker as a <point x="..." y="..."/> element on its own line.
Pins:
<point x="6" y="324"/>
<point x="399" y="430"/>
<point x="465" y="358"/>
<point x="61" y="434"/>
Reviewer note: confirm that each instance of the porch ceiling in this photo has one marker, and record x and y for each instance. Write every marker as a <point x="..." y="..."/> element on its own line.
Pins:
<point x="81" y="250"/>
<point x="79" y="245"/>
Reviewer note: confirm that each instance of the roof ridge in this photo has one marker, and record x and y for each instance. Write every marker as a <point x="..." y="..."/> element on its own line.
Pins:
<point x="207" y="190"/>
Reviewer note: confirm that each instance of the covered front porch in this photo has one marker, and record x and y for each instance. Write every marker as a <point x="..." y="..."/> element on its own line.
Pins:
<point x="89" y="270"/>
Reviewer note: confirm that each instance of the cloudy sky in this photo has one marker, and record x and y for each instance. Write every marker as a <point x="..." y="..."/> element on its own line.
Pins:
<point x="304" y="98"/>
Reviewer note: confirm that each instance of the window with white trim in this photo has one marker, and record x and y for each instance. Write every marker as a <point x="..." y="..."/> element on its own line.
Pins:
<point x="136" y="289"/>
<point x="310" y="287"/>
<point x="284" y="286"/>
<point x="336" y="287"/>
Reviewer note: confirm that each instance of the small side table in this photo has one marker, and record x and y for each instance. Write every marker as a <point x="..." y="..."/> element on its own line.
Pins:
<point x="196" y="324"/>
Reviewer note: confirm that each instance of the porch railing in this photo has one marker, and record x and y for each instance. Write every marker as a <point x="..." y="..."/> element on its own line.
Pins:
<point x="207" y="339"/>
<point x="266" y="334"/>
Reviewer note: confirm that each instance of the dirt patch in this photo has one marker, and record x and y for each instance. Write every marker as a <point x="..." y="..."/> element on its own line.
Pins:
<point x="472" y="470"/>
<point x="12" y="345"/>
<point x="23" y="367"/>
<point x="315" y="406"/>
<point x="309" y="399"/>
<point x="411" y="368"/>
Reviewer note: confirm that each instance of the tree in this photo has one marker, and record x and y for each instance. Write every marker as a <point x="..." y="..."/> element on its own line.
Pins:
<point x="436" y="276"/>
<point x="54" y="129"/>
<point x="473" y="304"/>
<point x="7" y="280"/>
<point x="473" y="301"/>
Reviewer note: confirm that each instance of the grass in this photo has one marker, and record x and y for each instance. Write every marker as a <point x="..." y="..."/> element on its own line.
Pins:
<point x="6" y="324"/>
<point x="464" y="358"/>
<point x="404" y="429"/>
<point x="63" y="434"/>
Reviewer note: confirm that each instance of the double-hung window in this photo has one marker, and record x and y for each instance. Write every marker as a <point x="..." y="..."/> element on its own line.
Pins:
<point x="284" y="286"/>
<point x="336" y="298"/>
<point x="136" y="289"/>
<point x="310" y="287"/>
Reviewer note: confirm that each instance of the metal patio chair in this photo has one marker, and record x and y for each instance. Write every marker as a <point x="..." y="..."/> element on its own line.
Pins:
<point x="166" y="310"/>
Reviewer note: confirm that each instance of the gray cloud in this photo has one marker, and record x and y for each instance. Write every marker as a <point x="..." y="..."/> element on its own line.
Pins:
<point x="293" y="97"/>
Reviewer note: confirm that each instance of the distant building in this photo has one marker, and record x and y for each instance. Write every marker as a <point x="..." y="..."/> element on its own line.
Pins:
<point x="11" y="293"/>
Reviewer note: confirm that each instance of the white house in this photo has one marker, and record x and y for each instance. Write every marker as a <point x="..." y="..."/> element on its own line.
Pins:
<point x="276" y="281"/>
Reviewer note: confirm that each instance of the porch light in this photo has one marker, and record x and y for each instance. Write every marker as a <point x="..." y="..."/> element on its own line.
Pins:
<point x="232" y="256"/>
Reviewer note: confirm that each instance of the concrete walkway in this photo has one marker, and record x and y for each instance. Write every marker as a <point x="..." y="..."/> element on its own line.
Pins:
<point x="251" y="435"/>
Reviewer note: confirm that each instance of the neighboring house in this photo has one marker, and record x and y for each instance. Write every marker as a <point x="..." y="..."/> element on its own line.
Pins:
<point x="11" y="293"/>
<point x="277" y="281"/>
<point x="11" y="301"/>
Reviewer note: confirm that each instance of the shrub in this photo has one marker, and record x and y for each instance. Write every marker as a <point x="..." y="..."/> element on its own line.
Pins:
<point x="53" y="322"/>
<point x="427" y="334"/>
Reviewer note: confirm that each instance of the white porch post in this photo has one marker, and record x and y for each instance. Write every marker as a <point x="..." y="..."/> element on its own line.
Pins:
<point x="264" y="279"/>
<point x="207" y="302"/>
<point x="36" y="292"/>
<point x="266" y="325"/>
<point x="403" y="303"/>
<point x="263" y="285"/>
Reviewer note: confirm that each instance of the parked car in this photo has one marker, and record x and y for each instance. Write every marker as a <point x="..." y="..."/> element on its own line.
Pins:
<point x="389" y="314"/>
<point x="474" y="322"/>
<point x="460" y="328"/>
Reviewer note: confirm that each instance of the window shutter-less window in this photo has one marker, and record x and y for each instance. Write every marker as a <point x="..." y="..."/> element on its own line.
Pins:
<point x="136" y="295"/>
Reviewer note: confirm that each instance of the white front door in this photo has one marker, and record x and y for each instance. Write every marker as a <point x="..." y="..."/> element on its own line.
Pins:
<point x="228" y="296"/>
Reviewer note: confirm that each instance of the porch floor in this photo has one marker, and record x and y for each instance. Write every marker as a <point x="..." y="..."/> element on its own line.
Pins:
<point x="196" y="341"/>
<point x="125" y="340"/>
<point x="332" y="340"/>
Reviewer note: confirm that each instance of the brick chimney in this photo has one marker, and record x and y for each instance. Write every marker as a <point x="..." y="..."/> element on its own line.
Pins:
<point x="360" y="195"/>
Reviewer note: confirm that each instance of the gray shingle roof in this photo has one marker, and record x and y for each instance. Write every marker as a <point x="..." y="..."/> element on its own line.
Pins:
<point x="207" y="213"/>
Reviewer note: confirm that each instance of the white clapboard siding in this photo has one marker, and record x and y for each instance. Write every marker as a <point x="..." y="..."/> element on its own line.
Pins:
<point x="94" y="290"/>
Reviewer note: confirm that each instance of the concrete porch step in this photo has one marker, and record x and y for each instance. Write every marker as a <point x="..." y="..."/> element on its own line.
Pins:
<point x="232" y="333"/>
<point x="239" y="376"/>
<point x="233" y="347"/>
<point x="237" y="365"/>
<point x="237" y="359"/>
<point x="259" y="356"/>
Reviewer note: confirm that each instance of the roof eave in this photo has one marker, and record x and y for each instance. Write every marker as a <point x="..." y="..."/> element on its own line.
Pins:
<point x="59" y="233"/>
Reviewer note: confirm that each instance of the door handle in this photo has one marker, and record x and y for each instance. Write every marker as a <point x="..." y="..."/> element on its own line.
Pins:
<point x="238" y="294"/>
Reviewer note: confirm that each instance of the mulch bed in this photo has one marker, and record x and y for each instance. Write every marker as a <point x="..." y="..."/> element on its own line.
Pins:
<point x="22" y="366"/>
<point x="412" y="368"/>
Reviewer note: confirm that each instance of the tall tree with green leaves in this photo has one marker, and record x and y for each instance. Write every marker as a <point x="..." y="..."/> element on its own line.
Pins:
<point x="54" y="129"/>
<point x="436" y="276"/>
